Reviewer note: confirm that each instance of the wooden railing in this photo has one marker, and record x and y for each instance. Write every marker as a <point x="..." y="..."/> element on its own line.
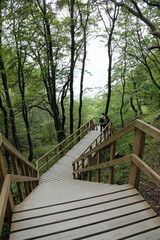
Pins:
<point x="107" y="131"/>
<point x="137" y="164"/>
<point x="51" y="157"/>
<point x="23" y="173"/>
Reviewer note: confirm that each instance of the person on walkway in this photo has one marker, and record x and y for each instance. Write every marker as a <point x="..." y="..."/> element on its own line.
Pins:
<point x="102" y="122"/>
<point x="107" y="120"/>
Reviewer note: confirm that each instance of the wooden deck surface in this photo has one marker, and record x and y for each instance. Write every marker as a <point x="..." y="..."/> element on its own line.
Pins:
<point x="63" y="208"/>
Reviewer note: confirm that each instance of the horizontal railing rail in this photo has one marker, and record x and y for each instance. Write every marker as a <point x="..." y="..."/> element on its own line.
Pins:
<point x="51" y="157"/>
<point x="84" y="171"/>
<point x="23" y="173"/>
<point x="105" y="134"/>
<point x="107" y="131"/>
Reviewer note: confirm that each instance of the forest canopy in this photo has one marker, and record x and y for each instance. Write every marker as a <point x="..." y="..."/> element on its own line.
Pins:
<point x="43" y="54"/>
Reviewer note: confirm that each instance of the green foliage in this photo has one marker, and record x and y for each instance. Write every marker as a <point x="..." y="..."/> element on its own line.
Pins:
<point x="5" y="230"/>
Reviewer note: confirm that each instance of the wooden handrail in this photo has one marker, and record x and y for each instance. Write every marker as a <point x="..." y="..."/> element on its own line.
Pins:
<point x="105" y="165"/>
<point x="4" y="199"/>
<point x="24" y="172"/>
<point x="148" y="129"/>
<point x="101" y="138"/>
<point x="155" y="177"/>
<point x="4" y="196"/>
<point x="109" y="141"/>
<point x="13" y="151"/>
<point x="65" y="145"/>
<point x="137" y="164"/>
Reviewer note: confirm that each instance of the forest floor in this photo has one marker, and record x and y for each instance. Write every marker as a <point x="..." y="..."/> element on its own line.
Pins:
<point x="150" y="191"/>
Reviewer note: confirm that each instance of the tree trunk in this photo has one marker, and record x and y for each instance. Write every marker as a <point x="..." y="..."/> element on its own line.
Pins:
<point x="132" y="105"/>
<point x="5" y="85"/>
<point x="84" y="26"/>
<point x="50" y="83"/>
<point x="5" y="114"/>
<point x="72" y="63"/>
<point x="109" y="45"/>
<point x="21" y="82"/>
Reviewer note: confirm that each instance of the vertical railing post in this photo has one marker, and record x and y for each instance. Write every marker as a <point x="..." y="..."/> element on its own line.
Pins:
<point x="112" y="156"/>
<point x="93" y="124"/>
<point x="55" y="152"/>
<point x="77" y="136"/>
<point x="82" y="174"/>
<point x="78" y="175"/>
<point x="36" y="175"/>
<point x="15" y="168"/>
<point x="32" y="175"/>
<point x="89" y="176"/>
<point x="104" y="132"/>
<point x="71" y="142"/>
<point x="98" y="162"/>
<point x="47" y="162"/>
<point x="74" y="175"/>
<point x="88" y="127"/>
<point x="25" y="183"/>
<point x="64" y="149"/>
<point x="29" y="183"/>
<point x="101" y="137"/>
<point x="138" y="149"/>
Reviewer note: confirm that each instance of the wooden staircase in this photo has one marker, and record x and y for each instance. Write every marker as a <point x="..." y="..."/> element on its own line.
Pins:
<point x="63" y="207"/>
<point x="76" y="210"/>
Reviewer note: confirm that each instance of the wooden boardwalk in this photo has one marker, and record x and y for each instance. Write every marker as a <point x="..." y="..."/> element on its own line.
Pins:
<point x="63" y="208"/>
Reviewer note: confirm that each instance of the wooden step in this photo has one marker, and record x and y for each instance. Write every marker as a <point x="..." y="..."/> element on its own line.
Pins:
<point x="98" y="210"/>
<point x="63" y="208"/>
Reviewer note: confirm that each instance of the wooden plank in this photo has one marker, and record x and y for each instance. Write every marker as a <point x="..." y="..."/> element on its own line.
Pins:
<point x="2" y="164"/>
<point x="118" y="161"/>
<point x="125" y="232"/>
<point x="98" y="162"/>
<point x="4" y="173"/>
<point x="19" y="178"/>
<point x="62" y="209"/>
<point x="81" y="228"/>
<point x="12" y="150"/>
<point x="152" y="235"/>
<point x="138" y="149"/>
<point x="66" y="191"/>
<point x="15" y="168"/>
<point x="109" y="200"/>
<point x="24" y="174"/>
<point x="4" y="198"/>
<point x="113" y="138"/>
<point x="155" y="177"/>
<point x="112" y="157"/>
<point x="85" y="216"/>
<point x="152" y="131"/>
<point x="68" y="138"/>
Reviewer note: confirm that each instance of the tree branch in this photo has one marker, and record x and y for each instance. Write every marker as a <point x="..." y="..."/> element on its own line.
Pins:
<point x="138" y="14"/>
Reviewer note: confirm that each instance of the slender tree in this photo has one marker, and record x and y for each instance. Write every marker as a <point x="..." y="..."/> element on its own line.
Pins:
<point x="6" y="88"/>
<point x="84" y="24"/>
<point x="21" y="59"/>
<point x="112" y="14"/>
<point x="71" y="6"/>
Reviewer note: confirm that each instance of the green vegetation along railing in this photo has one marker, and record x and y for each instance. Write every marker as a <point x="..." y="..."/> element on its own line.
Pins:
<point x="51" y="157"/>
<point x="137" y="164"/>
<point x="23" y="173"/>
